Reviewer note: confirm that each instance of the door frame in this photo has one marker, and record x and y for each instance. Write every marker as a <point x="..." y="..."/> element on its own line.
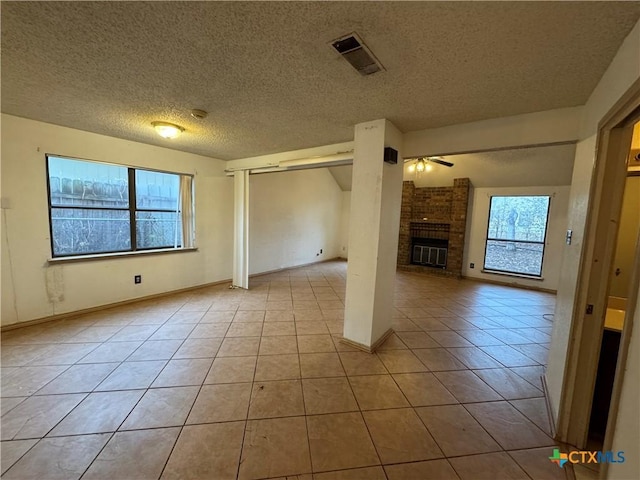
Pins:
<point x="609" y="173"/>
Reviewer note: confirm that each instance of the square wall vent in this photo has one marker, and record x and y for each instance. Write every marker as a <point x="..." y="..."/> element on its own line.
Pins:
<point x="354" y="51"/>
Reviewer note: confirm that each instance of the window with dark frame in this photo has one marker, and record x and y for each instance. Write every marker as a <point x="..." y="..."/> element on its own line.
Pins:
<point x="516" y="234"/>
<point x="97" y="208"/>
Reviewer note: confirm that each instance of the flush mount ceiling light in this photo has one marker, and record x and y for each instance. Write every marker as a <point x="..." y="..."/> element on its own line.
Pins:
<point x="167" y="130"/>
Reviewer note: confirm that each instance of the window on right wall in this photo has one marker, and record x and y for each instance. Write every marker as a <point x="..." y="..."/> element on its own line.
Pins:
<point x="516" y="234"/>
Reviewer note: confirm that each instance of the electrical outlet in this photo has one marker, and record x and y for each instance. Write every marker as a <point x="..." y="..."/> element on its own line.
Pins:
<point x="137" y="279"/>
<point x="472" y="265"/>
<point x="320" y="250"/>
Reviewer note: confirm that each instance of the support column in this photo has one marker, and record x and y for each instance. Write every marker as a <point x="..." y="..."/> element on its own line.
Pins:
<point x="376" y="197"/>
<point x="241" y="229"/>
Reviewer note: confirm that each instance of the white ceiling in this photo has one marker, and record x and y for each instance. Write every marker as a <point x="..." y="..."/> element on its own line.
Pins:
<point x="266" y="73"/>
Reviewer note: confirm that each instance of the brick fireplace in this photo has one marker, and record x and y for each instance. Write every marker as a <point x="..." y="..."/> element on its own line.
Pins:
<point x="432" y="227"/>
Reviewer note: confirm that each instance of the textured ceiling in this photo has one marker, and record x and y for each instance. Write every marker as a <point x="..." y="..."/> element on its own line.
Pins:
<point x="266" y="74"/>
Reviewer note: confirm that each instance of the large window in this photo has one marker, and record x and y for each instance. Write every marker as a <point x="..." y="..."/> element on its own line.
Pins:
<point x="103" y="208"/>
<point x="516" y="234"/>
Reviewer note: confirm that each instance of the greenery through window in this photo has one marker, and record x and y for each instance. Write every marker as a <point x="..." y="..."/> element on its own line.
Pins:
<point x="104" y="208"/>
<point x="516" y="234"/>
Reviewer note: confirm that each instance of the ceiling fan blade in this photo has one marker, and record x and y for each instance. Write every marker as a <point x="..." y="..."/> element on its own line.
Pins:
<point x="441" y="162"/>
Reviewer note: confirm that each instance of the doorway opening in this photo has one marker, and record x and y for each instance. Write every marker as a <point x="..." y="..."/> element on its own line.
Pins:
<point x="620" y="283"/>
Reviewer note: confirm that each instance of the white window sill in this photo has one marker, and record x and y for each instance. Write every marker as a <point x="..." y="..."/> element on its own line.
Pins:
<point x="105" y="256"/>
<point x="516" y="275"/>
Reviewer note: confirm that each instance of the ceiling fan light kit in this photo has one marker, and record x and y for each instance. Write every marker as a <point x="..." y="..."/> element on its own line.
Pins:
<point x="425" y="164"/>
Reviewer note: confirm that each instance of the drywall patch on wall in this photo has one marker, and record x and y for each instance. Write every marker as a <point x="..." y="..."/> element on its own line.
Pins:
<point x="9" y="300"/>
<point x="54" y="283"/>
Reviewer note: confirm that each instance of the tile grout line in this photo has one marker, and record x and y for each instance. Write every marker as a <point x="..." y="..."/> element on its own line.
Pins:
<point x="113" y="434"/>
<point x="304" y="403"/>
<point x="246" y="422"/>
<point x="361" y="415"/>
<point x="195" y="399"/>
<point x="300" y="367"/>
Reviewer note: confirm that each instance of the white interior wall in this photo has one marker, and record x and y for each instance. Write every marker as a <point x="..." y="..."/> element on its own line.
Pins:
<point x="627" y="238"/>
<point x="623" y="71"/>
<point x="477" y="235"/>
<point x="538" y="128"/>
<point x="522" y="167"/>
<point x="567" y="283"/>
<point x="292" y="216"/>
<point x="26" y="273"/>
<point x="344" y="224"/>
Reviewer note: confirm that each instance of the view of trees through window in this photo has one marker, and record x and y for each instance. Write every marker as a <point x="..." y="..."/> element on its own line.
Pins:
<point x="94" y="205"/>
<point x="516" y="234"/>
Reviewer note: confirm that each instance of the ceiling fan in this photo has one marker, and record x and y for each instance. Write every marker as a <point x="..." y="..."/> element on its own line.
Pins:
<point x="424" y="164"/>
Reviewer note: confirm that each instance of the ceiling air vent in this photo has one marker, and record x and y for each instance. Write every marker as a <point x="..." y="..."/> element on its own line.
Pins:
<point x="357" y="54"/>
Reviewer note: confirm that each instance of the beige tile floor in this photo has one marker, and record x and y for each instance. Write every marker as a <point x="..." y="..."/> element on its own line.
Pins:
<point x="224" y="384"/>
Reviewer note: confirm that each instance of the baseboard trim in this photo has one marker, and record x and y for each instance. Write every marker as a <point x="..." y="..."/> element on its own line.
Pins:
<point x="366" y="348"/>
<point x="509" y="284"/>
<point x="547" y="400"/>
<point x="282" y="269"/>
<point x="84" y="311"/>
